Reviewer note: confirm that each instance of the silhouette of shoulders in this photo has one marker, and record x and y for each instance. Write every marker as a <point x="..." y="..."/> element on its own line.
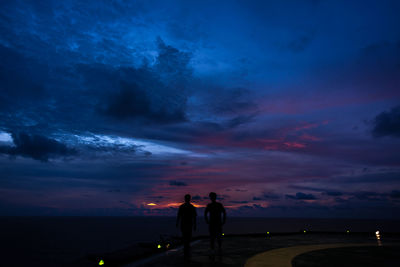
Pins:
<point x="215" y="209"/>
<point x="215" y="206"/>
<point x="187" y="211"/>
<point x="187" y="206"/>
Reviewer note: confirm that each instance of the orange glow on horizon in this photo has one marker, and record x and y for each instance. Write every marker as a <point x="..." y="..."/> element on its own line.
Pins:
<point x="175" y="204"/>
<point x="151" y="204"/>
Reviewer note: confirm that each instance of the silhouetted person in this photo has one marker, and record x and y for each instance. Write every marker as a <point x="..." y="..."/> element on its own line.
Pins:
<point x="215" y="221"/>
<point x="187" y="219"/>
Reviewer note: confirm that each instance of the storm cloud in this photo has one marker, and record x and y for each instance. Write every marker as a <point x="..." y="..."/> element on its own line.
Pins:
<point x="37" y="147"/>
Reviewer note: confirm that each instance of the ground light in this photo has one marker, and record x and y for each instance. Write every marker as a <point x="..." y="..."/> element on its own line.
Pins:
<point x="101" y="262"/>
<point x="267" y="235"/>
<point x="378" y="235"/>
<point x="348" y="231"/>
<point x="158" y="246"/>
<point x="378" y="238"/>
<point x="304" y="231"/>
<point x="223" y="233"/>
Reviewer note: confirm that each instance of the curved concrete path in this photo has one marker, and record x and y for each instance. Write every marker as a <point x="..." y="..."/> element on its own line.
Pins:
<point x="283" y="257"/>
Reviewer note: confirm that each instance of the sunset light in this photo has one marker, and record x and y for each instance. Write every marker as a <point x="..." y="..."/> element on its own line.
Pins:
<point x="201" y="132"/>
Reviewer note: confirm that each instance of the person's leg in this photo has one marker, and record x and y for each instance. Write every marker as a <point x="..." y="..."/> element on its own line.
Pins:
<point x="185" y="246"/>
<point x="186" y="236"/>
<point x="189" y="238"/>
<point x="219" y="237"/>
<point x="212" y="236"/>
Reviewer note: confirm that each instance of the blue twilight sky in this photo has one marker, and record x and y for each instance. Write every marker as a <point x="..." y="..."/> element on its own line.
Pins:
<point x="284" y="108"/>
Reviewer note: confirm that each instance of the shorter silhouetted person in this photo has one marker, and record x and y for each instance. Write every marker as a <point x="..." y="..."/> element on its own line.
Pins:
<point x="187" y="220"/>
<point x="215" y="221"/>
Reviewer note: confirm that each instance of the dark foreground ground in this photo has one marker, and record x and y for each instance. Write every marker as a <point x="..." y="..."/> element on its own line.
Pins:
<point x="381" y="256"/>
<point x="237" y="249"/>
<point x="84" y="241"/>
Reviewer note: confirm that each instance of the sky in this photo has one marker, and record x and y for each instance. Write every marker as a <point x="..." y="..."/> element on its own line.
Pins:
<point x="120" y="108"/>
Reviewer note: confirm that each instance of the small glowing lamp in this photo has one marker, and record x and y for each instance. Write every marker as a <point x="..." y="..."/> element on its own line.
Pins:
<point x="168" y="245"/>
<point x="101" y="262"/>
<point x="304" y="231"/>
<point x="378" y="235"/>
<point x="223" y="233"/>
<point x="348" y="231"/>
<point x="267" y="233"/>
<point x="158" y="246"/>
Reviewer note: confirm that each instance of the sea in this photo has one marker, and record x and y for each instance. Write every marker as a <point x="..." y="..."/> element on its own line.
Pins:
<point x="54" y="241"/>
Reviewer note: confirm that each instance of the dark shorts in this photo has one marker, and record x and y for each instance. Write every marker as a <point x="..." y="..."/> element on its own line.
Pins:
<point x="215" y="230"/>
<point x="186" y="231"/>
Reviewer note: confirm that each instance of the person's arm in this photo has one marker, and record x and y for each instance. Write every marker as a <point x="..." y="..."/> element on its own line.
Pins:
<point x="206" y="215"/>
<point x="178" y="217"/>
<point x="223" y="215"/>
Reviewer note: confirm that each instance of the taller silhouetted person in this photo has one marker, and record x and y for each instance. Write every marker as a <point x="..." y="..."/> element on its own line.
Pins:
<point x="215" y="221"/>
<point x="187" y="219"/>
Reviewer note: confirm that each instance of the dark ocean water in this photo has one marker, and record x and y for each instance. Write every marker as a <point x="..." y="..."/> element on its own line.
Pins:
<point x="51" y="240"/>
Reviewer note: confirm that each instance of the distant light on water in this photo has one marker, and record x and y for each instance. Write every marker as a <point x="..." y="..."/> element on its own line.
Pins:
<point x="151" y="204"/>
<point x="101" y="262"/>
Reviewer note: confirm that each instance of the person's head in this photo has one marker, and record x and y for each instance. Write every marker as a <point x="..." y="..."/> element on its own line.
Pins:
<point x="187" y="198"/>
<point x="213" y="196"/>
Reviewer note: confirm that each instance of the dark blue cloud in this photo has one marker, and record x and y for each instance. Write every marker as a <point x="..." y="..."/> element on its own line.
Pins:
<point x="267" y="196"/>
<point x="387" y="123"/>
<point x="369" y="196"/>
<point x="37" y="147"/>
<point x="270" y="196"/>
<point x="301" y="196"/>
<point x="333" y="193"/>
<point x="21" y="78"/>
<point x="328" y="192"/>
<point x="130" y="101"/>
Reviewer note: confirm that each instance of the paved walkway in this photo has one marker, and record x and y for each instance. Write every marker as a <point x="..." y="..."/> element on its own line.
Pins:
<point x="250" y="251"/>
<point x="283" y="257"/>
